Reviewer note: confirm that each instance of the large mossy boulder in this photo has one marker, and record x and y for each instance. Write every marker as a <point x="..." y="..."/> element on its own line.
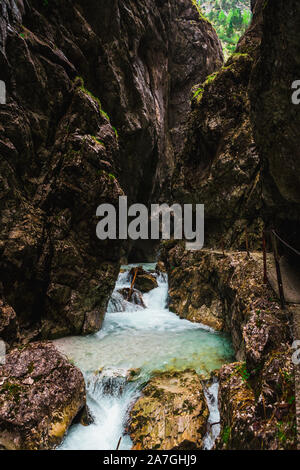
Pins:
<point x="40" y="395"/>
<point x="145" y="282"/>
<point x="172" y="412"/>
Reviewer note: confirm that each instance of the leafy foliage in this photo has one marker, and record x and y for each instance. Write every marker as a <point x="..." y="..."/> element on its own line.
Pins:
<point x="230" y="19"/>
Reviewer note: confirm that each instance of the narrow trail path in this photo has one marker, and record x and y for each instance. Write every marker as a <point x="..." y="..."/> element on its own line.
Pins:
<point x="290" y="279"/>
<point x="296" y="328"/>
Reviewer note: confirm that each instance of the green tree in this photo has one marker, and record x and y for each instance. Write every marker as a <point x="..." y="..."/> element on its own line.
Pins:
<point x="230" y="19"/>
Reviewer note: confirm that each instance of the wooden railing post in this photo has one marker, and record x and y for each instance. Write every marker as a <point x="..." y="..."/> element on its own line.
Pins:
<point x="222" y="246"/>
<point x="265" y="257"/>
<point x="278" y="271"/>
<point x="247" y="242"/>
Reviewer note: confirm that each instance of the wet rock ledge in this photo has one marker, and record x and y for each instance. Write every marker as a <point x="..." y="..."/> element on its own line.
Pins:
<point x="40" y="395"/>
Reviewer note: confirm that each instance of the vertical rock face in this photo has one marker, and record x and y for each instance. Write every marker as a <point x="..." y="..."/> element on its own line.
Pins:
<point x="145" y="58"/>
<point x="220" y="165"/>
<point x="258" y="414"/>
<point x="241" y="156"/>
<point x="8" y="324"/>
<point x="276" y="120"/>
<point x="61" y="153"/>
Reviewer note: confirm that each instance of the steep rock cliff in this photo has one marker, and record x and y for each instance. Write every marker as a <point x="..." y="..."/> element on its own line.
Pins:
<point x="61" y="153"/>
<point x="276" y="119"/>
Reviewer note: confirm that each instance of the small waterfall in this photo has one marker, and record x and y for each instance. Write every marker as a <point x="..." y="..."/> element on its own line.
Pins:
<point x="123" y="279"/>
<point x="213" y="424"/>
<point x="109" y="398"/>
<point x="118" y="303"/>
<point x="109" y="381"/>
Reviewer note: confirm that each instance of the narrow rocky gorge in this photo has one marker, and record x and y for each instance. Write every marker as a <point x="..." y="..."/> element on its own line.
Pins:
<point x="106" y="99"/>
<point x="89" y="118"/>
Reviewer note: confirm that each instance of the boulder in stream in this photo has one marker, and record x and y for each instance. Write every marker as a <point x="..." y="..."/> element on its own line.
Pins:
<point x="144" y="281"/>
<point x="40" y="395"/>
<point x="171" y="413"/>
<point x="136" y="296"/>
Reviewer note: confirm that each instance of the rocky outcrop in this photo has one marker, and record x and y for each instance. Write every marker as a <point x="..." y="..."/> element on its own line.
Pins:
<point x="172" y="412"/>
<point x="276" y="119"/>
<point x="132" y="295"/>
<point x="258" y="409"/>
<point x="145" y="282"/>
<point x="220" y="165"/>
<point x="9" y="331"/>
<point x="63" y="152"/>
<point x="40" y="395"/>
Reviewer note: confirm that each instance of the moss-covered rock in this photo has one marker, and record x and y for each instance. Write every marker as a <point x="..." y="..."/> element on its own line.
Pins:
<point x="144" y="281"/>
<point x="40" y="395"/>
<point x="257" y="407"/>
<point x="172" y="412"/>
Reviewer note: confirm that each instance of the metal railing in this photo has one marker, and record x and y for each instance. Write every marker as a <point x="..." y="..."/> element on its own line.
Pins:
<point x="275" y="238"/>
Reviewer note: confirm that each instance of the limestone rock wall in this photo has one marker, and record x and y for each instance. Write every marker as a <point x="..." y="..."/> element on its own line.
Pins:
<point x="226" y="292"/>
<point x="220" y="164"/>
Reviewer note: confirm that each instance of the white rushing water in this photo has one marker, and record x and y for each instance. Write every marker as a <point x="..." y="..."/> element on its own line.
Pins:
<point x="213" y="425"/>
<point x="143" y="339"/>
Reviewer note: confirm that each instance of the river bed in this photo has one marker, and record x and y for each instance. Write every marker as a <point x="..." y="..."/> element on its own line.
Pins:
<point x="144" y="339"/>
